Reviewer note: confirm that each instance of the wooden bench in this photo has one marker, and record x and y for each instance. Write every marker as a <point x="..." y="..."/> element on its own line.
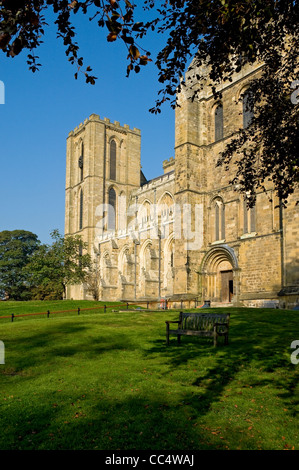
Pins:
<point x="200" y="324"/>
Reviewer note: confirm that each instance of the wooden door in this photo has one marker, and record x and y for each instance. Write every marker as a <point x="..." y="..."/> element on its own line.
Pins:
<point x="227" y="286"/>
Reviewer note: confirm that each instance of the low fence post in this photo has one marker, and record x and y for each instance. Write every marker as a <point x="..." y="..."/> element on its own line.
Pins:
<point x="12" y="317"/>
<point x="127" y="306"/>
<point x="104" y="308"/>
<point x="48" y="313"/>
<point x="78" y="310"/>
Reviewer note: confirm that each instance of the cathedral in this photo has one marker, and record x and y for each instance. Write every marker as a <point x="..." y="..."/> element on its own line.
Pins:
<point x="186" y="236"/>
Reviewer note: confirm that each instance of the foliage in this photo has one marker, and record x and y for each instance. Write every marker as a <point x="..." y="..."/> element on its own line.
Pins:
<point x="23" y="27"/>
<point x="91" y="281"/>
<point x="16" y="247"/>
<point x="224" y="35"/>
<point x="54" y="266"/>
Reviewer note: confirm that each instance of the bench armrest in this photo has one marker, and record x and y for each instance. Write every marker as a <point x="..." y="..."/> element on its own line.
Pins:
<point x="169" y="321"/>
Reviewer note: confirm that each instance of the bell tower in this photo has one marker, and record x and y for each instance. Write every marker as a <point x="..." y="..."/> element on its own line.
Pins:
<point x="102" y="167"/>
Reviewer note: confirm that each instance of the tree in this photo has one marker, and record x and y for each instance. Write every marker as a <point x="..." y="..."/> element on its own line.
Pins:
<point x="23" y="26"/>
<point x="53" y="267"/>
<point x="16" y="248"/>
<point x="91" y="280"/>
<point x="223" y="35"/>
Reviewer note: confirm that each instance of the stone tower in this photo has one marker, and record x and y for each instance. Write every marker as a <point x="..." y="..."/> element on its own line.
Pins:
<point x="102" y="168"/>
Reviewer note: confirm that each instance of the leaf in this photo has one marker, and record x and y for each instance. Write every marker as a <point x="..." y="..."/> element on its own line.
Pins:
<point x="129" y="68"/>
<point x="111" y="37"/>
<point x="4" y="40"/>
<point x="144" y="60"/>
<point x="128" y="39"/>
<point x="73" y="4"/>
<point x="134" y="52"/>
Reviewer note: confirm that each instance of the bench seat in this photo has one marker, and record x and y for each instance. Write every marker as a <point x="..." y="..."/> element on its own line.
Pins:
<point x="200" y="324"/>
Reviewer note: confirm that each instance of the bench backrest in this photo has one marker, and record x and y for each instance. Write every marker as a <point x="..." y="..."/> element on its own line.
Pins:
<point x="202" y="321"/>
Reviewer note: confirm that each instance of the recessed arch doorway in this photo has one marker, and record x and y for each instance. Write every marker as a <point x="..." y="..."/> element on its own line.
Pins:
<point x="220" y="275"/>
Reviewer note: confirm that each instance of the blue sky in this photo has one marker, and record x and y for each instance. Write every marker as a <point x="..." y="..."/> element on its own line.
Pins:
<point x="42" y="108"/>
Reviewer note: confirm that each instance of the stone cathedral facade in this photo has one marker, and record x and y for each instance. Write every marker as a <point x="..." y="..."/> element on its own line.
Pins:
<point x="186" y="235"/>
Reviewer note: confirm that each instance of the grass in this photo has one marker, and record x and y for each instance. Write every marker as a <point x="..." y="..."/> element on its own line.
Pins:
<point x="108" y="381"/>
<point x="40" y="306"/>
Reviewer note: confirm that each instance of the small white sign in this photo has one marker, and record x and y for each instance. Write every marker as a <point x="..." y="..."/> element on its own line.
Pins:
<point x="2" y="353"/>
<point x="295" y="94"/>
<point x="2" y="93"/>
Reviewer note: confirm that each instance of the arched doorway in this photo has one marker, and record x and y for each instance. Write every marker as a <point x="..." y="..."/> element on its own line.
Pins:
<point x="220" y="275"/>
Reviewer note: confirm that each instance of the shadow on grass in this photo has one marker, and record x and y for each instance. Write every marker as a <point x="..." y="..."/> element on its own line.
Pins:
<point x="152" y="422"/>
<point x="59" y="340"/>
<point x="263" y="344"/>
<point x="125" y="424"/>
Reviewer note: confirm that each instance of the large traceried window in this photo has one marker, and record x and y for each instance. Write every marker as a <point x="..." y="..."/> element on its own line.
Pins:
<point x="111" y="209"/>
<point x="113" y="160"/>
<point x="248" y="108"/>
<point x="219" y="123"/>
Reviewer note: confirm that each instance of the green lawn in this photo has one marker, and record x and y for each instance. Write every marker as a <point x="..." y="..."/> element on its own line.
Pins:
<point x="40" y="306"/>
<point x="108" y="381"/>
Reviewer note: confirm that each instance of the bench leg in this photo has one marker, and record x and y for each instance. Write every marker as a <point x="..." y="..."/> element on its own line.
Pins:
<point x="167" y="334"/>
<point x="179" y="339"/>
<point x="215" y="336"/>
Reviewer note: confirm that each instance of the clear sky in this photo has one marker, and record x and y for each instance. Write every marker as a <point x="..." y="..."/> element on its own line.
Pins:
<point x="42" y="108"/>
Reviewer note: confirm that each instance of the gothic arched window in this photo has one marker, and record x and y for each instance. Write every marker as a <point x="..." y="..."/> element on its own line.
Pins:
<point x="248" y="108"/>
<point x="219" y="220"/>
<point x="249" y="218"/>
<point x="111" y="209"/>
<point x="113" y="160"/>
<point x="81" y="210"/>
<point x="218" y="122"/>
<point x="81" y="162"/>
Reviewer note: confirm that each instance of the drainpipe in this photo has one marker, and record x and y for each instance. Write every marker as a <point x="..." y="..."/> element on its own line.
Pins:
<point x="159" y="236"/>
<point x="136" y="242"/>
<point x="104" y="174"/>
<point x="135" y="270"/>
<point x="282" y="257"/>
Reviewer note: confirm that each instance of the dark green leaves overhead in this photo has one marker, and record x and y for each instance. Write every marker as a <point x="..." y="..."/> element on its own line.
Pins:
<point x="225" y="35"/>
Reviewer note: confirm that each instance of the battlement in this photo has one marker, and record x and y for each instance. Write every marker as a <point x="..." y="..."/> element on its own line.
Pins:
<point x="168" y="165"/>
<point x="154" y="183"/>
<point x="112" y="125"/>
